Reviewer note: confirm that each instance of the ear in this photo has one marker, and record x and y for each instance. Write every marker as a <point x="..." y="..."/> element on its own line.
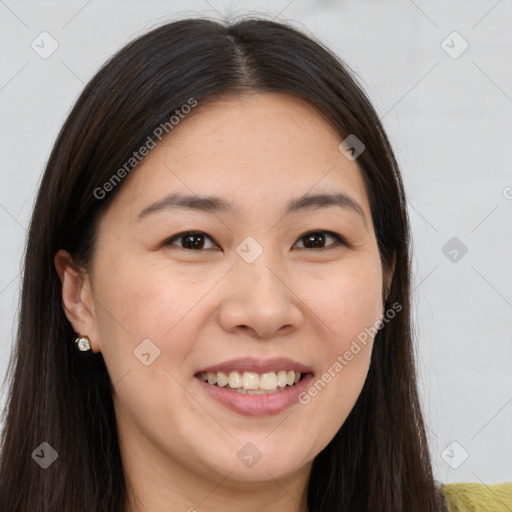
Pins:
<point x="388" y="278"/>
<point x="77" y="298"/>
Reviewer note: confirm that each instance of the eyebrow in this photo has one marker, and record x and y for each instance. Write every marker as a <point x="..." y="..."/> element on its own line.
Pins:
<point x="214" y="204"/>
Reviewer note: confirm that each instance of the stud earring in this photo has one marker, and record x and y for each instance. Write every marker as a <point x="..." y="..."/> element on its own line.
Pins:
<point x="83" y="343"/>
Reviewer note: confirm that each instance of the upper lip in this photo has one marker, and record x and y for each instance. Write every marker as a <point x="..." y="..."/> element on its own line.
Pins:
<point x="251" y="364"/>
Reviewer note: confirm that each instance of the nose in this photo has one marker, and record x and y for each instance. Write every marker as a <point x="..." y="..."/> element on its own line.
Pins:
<point x="259" y="300"/>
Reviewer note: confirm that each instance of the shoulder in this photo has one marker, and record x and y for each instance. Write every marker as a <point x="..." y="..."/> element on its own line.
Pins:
<point x="477" y="497"/>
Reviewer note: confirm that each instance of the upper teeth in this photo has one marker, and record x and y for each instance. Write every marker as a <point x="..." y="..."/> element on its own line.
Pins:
<point x="252" y="380"/>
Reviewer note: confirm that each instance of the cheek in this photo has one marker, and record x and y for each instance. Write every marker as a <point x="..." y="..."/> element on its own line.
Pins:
<point x="349" y="303"/>
<point x="148" y="301"/>
<point x="146" y="312"/>
<point x="158" y="303"/>
<point x="346" y="300"/>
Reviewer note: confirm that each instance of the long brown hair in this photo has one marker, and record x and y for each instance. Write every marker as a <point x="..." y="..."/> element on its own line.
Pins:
<point x="379" y="459"/>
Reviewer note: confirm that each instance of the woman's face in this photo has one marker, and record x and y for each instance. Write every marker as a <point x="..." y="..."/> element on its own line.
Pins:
<point x="266" y="278"/>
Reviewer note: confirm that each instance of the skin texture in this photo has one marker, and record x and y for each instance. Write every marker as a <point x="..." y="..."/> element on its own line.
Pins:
<point x="203" y="307"/>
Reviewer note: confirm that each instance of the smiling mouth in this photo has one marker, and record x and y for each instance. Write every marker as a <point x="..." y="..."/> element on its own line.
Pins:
<point x="253" y="383"/>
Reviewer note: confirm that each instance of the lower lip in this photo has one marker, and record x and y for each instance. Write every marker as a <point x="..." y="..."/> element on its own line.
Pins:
<point x="257" y="405"/>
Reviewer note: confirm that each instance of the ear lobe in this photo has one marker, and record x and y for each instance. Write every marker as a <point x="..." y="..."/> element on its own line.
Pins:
<point x="79" y="312"/>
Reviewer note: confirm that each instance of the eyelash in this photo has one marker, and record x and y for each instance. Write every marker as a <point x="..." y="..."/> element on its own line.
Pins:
<point x="339" y="240"/>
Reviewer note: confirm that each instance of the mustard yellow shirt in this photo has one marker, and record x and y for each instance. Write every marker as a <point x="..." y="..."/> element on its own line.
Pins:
<point x="476" y="497"/>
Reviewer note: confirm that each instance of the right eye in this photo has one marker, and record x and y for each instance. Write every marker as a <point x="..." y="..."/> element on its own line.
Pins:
<point x="190" y="240"/>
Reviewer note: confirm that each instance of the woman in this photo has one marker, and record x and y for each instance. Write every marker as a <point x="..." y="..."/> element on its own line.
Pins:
<point x="215" y="307"/>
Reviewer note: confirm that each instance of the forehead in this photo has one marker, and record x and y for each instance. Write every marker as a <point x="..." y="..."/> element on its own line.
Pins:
<point x="257" y="150"/>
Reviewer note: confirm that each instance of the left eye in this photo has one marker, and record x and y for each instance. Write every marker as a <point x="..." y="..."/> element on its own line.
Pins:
<point x="317" y="240"/>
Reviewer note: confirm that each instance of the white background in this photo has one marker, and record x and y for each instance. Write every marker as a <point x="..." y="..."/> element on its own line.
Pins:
<point x="449" y="119"/>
